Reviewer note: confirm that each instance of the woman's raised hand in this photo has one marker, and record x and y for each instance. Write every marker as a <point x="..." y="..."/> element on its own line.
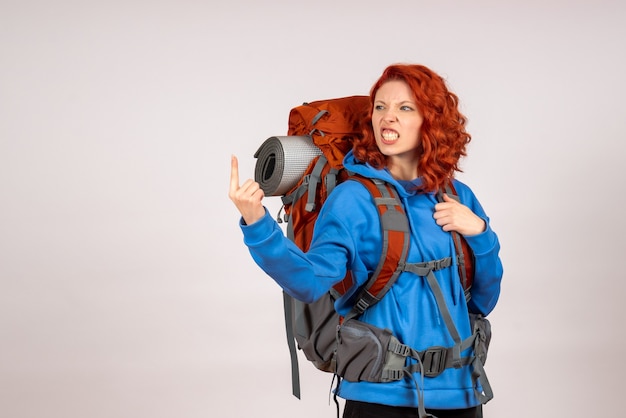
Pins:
<point x="247" y="197"/>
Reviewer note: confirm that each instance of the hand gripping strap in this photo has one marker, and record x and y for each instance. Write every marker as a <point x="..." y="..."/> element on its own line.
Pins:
<point x="395" y="243"/>
<point x="465" y="257"/>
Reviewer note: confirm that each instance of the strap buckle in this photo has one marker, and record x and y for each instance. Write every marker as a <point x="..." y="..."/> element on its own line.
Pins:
<point x="434" y="361"/>
<point x="440" y="264"/>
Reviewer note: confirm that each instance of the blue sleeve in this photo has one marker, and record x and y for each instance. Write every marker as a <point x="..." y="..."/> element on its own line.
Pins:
<point x="305" y="276"/>
<point x="488" y="269"/>
<point x="348" y="213"/>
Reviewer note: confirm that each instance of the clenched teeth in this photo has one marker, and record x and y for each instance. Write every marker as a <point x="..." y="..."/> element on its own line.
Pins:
<point x="390" y="135"/>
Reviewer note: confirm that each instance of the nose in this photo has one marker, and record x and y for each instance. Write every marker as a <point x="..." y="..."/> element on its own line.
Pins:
<point x="390" y="115"/>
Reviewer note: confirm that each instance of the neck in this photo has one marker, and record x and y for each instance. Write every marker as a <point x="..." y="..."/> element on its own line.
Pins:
<point x="403" y="169"/>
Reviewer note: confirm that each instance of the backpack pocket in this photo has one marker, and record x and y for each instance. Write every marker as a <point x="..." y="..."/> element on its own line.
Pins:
<point x="363" y="353"/>
<point x="315" y="331"/>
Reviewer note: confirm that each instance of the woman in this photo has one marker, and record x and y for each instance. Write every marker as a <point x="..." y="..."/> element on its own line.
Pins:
<point x="413" y="140"/>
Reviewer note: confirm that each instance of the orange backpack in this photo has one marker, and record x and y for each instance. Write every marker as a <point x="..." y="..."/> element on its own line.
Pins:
<point x="332" y="125"/>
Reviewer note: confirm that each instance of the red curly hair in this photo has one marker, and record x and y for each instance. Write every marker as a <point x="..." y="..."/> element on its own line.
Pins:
<point x="443" y="138"/>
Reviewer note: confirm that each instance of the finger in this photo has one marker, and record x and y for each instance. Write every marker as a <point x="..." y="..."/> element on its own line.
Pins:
<point x="249" y="188"/>
<point x="438" y="214"/>
<point x="445" y="224"/>
<point x="442" y="219"/>
<point x="442" y="206"/>
<point x="234" y="174"/>
<point x="447" y="198"/>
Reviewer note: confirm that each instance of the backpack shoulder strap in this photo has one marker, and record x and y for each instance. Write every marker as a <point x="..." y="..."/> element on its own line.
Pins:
<point x="395" y="243"/>
<point x="464" y="254"/>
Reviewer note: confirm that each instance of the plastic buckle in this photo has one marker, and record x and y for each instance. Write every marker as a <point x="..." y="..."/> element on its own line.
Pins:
<point x="434" y="361"/>
<point x="439" y="264"/>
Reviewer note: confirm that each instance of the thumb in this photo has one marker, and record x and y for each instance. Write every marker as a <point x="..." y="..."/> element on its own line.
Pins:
<point x="448" y="198"/>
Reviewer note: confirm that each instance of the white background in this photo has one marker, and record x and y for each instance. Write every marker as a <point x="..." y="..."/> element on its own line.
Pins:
<point x="126" y="290"/>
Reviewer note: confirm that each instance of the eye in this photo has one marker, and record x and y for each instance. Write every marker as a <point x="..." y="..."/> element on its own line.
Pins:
<point x="406" y="108"/>
<point x="379" y="107"/>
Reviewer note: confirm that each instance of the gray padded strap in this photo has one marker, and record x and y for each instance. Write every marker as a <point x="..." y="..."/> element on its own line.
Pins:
<point x="391" y="220"/>
<point x="456" y="237"/>
<point x="330" y="179"/>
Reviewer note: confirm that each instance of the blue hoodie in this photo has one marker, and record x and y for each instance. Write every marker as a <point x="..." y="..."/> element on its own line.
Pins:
<point x="347" y="237"/>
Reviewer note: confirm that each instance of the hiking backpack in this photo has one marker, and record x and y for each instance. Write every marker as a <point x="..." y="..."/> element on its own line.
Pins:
<point x="303" y="168"/>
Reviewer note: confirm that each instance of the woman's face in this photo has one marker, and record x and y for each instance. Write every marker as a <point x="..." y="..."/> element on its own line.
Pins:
<point x="396" y="121"/>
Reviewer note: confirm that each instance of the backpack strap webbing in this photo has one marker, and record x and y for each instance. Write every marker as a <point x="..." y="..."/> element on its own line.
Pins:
<point x="291" y="344"/>
<point x="309" y="185"/>
<point x="395" y="243"/>
<point x="309" y="188"/>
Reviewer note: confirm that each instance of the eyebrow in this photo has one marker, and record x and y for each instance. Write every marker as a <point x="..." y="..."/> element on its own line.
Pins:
<point x="402" y="102"/>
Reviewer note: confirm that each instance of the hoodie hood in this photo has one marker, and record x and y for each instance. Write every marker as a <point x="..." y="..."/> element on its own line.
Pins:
<point x="405" y="188"/>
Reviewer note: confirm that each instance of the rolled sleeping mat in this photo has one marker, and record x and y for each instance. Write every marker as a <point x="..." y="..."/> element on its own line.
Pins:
<point x="282" y="161"/>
